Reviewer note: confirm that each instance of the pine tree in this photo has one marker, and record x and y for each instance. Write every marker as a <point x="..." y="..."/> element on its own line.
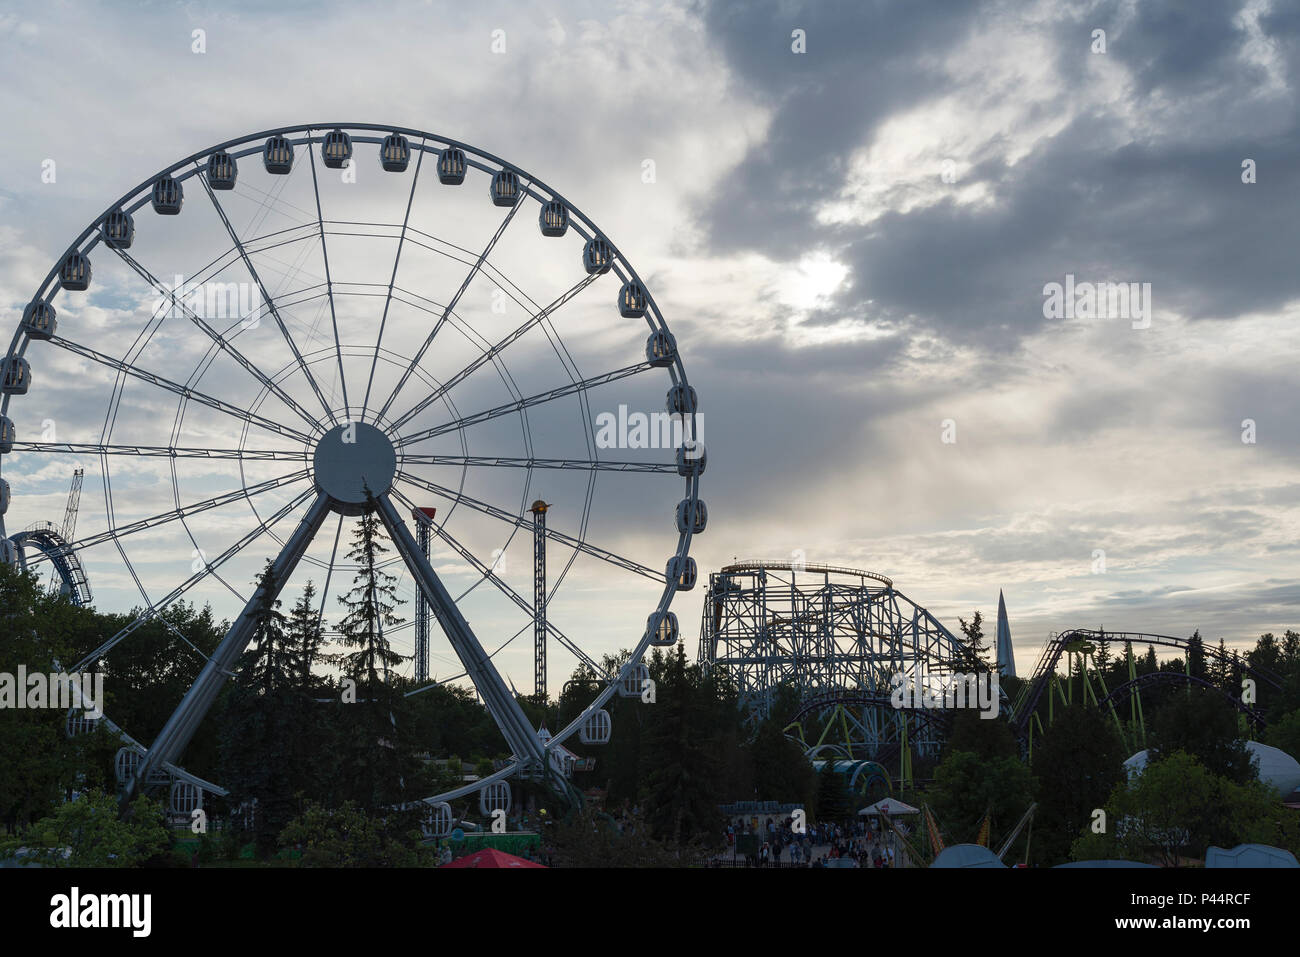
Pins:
<point x="1222" y="669"/>
<point x="261" y="723"/>
<point x="976" y="652"/>
<point x="682" y="781"/>
<point x="376" y="758"/>
<point x="307" y="636"/>
<point x="313" y="751"/>
<point x="270" y="665"/>
<point x="1196" y="655"/>
<point x="1103" y="654"/>
<point x="370" y="605"/>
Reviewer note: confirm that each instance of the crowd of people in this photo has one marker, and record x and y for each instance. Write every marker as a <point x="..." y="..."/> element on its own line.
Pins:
<point x="783" y="843"/>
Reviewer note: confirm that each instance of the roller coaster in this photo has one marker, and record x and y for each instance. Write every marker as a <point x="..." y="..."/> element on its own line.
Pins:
<point x="1047" y="688"/>
<point x="54" y="543"/>
<point x="835" y="637"/>
<point x="831" y="639"/>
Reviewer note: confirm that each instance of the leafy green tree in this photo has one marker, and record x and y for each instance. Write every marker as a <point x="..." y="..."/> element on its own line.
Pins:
<point x="1177" y="809"/>
<point x="147" y="674"/>
<point x="349" y="837"/>
<point x="45" y="634"/>
<point x="967" y="786"/>
<point x="589" y="838"/>
<point x="990" y="738"/>
<point x="1077" y="764"/>
<point x="1198" y="721"/>
<point x="1285" y="734"/>
<point x="89" y="832"/>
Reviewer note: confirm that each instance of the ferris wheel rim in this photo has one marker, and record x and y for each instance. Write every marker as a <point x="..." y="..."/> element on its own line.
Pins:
<point x="314" y="133"/>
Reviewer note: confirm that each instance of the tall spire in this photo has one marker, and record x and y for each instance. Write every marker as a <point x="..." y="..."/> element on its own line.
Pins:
<point x="1006" y="657"/>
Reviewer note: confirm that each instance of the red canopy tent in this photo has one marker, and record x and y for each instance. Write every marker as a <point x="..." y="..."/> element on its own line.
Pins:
<point x="491" y="857"/>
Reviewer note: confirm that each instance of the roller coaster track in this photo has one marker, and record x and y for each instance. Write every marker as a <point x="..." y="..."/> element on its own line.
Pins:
<point x="48" y="539"/>
<point x="936" y="720"/>
<point x="1032" y="693"/>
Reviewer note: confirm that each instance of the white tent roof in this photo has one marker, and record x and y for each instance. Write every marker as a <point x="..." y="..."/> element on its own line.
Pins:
<point x="891" y="806"/>
<point x="1250" y="855"/>
<point x="1276" y="768"/>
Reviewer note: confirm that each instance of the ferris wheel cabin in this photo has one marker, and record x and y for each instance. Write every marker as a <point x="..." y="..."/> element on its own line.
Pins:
<point x="451" y="166"/>
<point x="118" y="229"/>
<point x="336" y="149"/>
<point x="395" y="154"/>
<point x="167" y="196"/>
<point x="554" y="218"/>
<point x="74" y="274"/>
<point x="277" y="155"/>
<point x="222" y="170"/>
<point x="38" y="320"/>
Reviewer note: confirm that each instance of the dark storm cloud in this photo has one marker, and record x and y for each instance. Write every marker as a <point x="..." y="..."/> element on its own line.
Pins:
<point x="859" y="70"/>
<point x="1167" y="207"/>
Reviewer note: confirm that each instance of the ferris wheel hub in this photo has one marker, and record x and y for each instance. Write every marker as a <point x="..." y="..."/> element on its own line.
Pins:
<point x="353" y="462"/>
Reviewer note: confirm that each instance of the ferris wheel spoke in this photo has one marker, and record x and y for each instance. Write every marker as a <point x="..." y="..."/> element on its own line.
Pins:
<point x="185" y="511"/>
<point x="510" y="518"/>
<point x="175" y="452"/>
<point x="329" y="572"/>
<point x="329" y="282"/>
<point x="520" y="404"/>
<point x="392" y="279"/>
<point x="514" y="596"/>
<point x="474" y="271"/>
<point x="175" y="387"/>
<point x="491" y="352"/>
<point x="221" y="341"/>
<point x="208" y="568"/>
<point x="266" y="296"/>
<point x="509" y="717"/>
<point x="185" y="720"/>
<point x="504" y="461"/>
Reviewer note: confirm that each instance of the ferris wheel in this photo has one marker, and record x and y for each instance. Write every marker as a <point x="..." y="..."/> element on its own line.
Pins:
<point x="348" y="319"/>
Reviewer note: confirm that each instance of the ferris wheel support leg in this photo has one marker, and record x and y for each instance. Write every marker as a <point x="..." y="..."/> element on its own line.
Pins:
<point x="184" y="721"/>
<point x="510" y="718"/>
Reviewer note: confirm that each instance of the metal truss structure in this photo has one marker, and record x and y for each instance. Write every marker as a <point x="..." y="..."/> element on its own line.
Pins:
<point x="836" y="637"/>
<point x="336" y="395"/>
<point x="539" y="598"/>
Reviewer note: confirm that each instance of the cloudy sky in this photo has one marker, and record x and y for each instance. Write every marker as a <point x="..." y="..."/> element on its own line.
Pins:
<point x="848" y="214"/>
